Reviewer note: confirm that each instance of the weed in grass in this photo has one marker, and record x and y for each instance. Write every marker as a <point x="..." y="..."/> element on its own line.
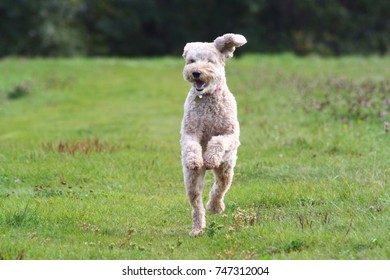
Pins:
<point x="212" y="229"/>
<point x="176" y="245"/>
<point x="20" y="90"/>
<point x="129" y="244"/>
<point x="345" y="99"/>
<point x="232" y="247"/>
<point x="295" y="245"/>
<point x="24" y="217"/>
<point x="127" y="240"/>
<point x="20" y="256"/>
<point x="59" y="83"/>
<point x="305" y="223"/>
<point x="244" y="218"/>
<point x="86" y="147"/>
<point x="47" y="191"/>
<point x="386" y="126"/>
<point x="86" y="227"/>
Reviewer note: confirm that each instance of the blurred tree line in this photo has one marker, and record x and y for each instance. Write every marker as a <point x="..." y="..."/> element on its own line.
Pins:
<point x="162" y="27"/>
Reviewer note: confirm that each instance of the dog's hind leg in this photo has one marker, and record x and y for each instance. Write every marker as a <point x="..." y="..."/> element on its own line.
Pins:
<point x="223" y="177"/>
<point x="194" y="182"/>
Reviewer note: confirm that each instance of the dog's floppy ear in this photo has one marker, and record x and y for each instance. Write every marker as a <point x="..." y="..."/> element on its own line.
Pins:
<point x="227" y="43"/>
<point x="186" y="48"/>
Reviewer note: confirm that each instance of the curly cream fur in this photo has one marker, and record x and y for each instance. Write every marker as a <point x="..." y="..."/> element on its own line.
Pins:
<point x="210" y="130"/>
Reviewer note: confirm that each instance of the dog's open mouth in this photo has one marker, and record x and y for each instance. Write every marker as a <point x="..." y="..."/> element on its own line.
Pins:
<point x="199" y="85"/>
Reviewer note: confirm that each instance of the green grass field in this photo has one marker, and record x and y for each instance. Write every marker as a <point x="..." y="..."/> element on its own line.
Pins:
<point x="90" y="160"/>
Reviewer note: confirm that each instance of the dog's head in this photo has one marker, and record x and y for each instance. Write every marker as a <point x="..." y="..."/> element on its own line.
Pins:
<point x="205" y="62"/>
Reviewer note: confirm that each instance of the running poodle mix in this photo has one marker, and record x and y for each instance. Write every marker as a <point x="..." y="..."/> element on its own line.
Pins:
<point x="210" y="130"/>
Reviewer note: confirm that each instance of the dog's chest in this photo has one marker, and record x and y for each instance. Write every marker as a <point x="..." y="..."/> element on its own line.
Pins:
<point x="208" y="118"/>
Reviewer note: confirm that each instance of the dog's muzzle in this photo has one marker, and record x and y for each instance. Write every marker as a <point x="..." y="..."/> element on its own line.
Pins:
<point x="196" y="74"/>
<point x="198" y="83"/>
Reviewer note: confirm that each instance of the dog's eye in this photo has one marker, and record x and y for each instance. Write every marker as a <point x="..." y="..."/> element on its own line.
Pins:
<point x="191" y="61"/>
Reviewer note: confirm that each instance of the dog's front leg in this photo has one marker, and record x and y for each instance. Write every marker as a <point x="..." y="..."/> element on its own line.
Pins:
<point x="217" y="148"/>
<point x="191" y="153"/>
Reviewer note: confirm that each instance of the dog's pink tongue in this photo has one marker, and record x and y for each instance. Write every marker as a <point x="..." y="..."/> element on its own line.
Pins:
<point x="199" y="85"/>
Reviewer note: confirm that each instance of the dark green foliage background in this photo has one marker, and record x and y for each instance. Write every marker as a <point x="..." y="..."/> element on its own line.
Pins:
<point x="155" y="27"/>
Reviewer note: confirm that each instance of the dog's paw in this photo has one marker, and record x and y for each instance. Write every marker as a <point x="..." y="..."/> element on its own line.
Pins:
<point x="194" y="164"/>
<point x="196" y="232"/>
<point x="213" y="156"/>
<point x="212" y="162"/>
<point x="215" y="207"/>
<point x="193" y="161"/>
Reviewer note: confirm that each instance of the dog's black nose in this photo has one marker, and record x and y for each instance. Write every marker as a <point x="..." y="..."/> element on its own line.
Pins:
<point x="196" y="74"/>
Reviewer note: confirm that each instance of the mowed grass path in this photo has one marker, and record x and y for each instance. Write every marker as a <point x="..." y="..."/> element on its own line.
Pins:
<point x="90" y="160"/>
